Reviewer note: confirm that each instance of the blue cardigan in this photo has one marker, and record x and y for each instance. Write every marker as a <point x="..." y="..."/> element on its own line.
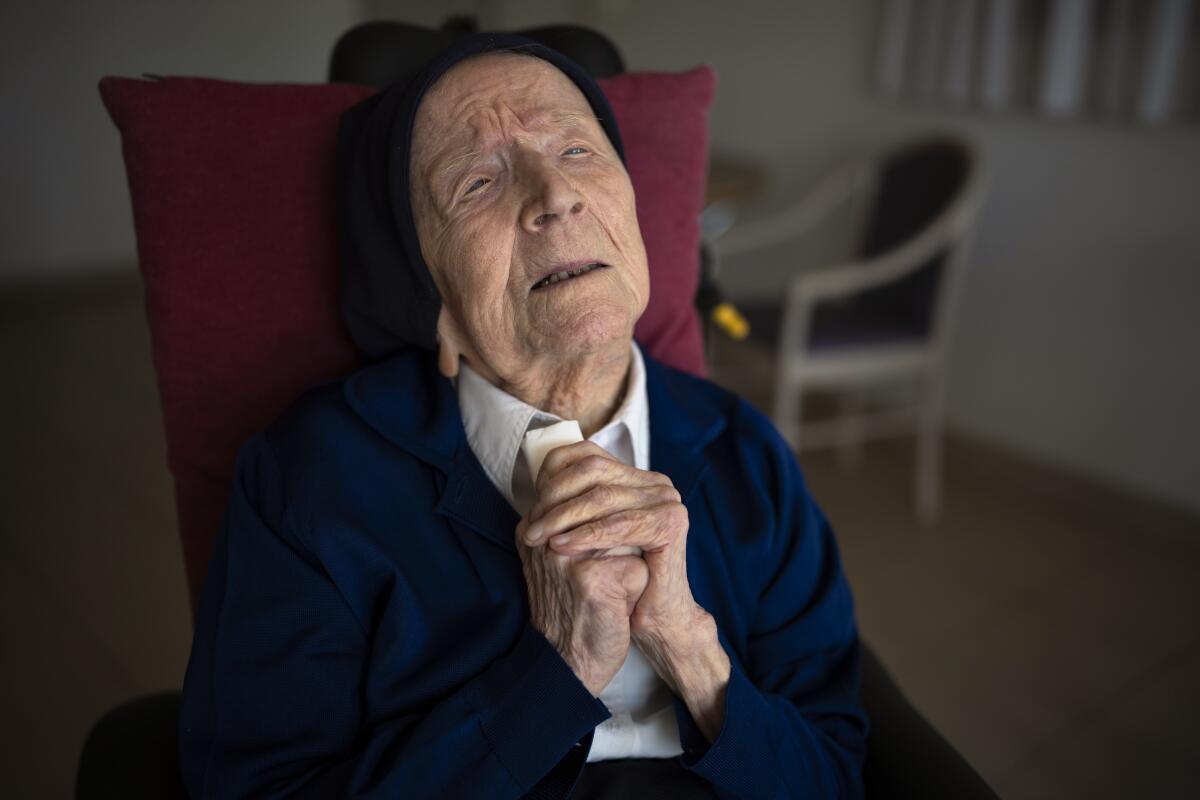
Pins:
<point x="364" y="628"/>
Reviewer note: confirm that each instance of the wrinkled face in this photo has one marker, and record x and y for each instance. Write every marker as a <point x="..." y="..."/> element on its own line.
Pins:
<point x="525" y="214"/>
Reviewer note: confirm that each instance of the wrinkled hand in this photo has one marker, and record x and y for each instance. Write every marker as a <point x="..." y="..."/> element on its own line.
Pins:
<point x="582" y="606"/>
<point x="588" y="502"/>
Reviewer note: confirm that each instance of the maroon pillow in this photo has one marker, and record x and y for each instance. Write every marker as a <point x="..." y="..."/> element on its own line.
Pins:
<point x="664" y="124"/>
<point x="232" y="189"/>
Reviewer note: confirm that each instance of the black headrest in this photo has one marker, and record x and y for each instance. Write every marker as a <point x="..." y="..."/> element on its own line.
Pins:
<point x="382" y="53"/>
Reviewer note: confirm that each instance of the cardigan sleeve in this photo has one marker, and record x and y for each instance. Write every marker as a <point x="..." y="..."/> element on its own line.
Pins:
<point x="273" y="697"/>
<point x="793" y="723"/>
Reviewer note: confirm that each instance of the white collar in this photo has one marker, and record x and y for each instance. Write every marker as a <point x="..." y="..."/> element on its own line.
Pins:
<point x="496" y="422"/>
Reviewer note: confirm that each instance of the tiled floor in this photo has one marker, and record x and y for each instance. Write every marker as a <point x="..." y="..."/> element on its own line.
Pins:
<point x="1048" y="628"/>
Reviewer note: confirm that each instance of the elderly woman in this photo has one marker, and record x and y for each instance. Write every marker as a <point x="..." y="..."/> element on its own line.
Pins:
<point x="402" y="605"/>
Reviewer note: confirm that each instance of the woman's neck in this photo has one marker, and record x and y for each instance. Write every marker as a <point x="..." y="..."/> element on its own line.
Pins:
<point x="588" y="389"/>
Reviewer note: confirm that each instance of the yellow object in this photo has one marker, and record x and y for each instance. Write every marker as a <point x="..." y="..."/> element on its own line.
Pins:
<point x="730" y="320"/>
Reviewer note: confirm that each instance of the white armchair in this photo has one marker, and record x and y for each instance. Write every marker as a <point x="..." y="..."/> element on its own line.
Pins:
<point x="885" y="315"/>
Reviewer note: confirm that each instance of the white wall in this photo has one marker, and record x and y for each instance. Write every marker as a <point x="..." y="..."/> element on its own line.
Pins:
<point x="65" y="206"/>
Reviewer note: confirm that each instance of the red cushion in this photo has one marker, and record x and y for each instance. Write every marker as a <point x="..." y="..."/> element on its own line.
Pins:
<point x="232" y="189"/>
<point x="664" y="124"/>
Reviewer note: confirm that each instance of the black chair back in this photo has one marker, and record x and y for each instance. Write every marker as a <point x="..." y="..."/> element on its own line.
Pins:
<point x="381" y="53"/>
<point x="916" y="184"/>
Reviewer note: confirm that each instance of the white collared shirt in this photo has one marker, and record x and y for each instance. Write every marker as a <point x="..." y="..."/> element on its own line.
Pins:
<point x="643" y="723"/>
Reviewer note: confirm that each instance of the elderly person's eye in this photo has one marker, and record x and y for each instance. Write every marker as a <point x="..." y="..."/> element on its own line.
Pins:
<point x="575" y="151"/>
<point x="478" y="184"/>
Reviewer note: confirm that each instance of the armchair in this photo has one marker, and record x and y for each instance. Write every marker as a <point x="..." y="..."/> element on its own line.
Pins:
<point x="204" y="344"/>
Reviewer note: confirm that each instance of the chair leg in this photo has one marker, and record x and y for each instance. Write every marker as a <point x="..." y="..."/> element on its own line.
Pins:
<point x="929" y="449"/>
<point x="788" y="407"/>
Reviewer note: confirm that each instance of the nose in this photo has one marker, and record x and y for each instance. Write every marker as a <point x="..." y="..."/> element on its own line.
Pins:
<point x="552" y="198"/>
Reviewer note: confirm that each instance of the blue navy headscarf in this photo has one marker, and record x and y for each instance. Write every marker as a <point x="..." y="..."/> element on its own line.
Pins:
<point x="389" y="300"/>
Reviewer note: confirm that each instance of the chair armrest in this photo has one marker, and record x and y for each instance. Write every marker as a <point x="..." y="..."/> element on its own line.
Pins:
<point x="854" y="277"/>
<point x="133" y="752"/>
<point x="906" y="756"/>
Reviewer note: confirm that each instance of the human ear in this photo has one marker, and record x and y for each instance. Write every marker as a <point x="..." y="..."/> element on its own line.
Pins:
<point x="449" y="344"/>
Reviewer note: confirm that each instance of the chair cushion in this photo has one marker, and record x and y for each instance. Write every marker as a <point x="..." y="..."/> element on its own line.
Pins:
<point x="232" y="191"/>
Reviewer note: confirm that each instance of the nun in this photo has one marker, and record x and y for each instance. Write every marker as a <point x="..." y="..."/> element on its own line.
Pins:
<point x="514" y="556"/>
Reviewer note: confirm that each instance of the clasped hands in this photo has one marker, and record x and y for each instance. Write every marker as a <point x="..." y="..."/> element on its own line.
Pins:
<point x="591" y="606"/>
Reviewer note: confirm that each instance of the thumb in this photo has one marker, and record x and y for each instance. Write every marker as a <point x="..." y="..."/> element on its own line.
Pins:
<point x="634" y="579"/>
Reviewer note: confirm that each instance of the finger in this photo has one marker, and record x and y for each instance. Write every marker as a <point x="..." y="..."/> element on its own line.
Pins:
<point x="584" y="474"/>
<point x="650" y="529"/>
<point x="565" y="455"/>
<point x="539" y="562"/>
<point x="617" y="579"/>
<point x="594" y="503"/>
<point x="635" y="577"/>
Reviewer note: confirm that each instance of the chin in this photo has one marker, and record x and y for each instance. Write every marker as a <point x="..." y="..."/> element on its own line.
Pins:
<point x="596" y="328"/>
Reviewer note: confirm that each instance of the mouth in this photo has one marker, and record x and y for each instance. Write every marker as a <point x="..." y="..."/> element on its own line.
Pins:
<point x="568" y="272"/>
